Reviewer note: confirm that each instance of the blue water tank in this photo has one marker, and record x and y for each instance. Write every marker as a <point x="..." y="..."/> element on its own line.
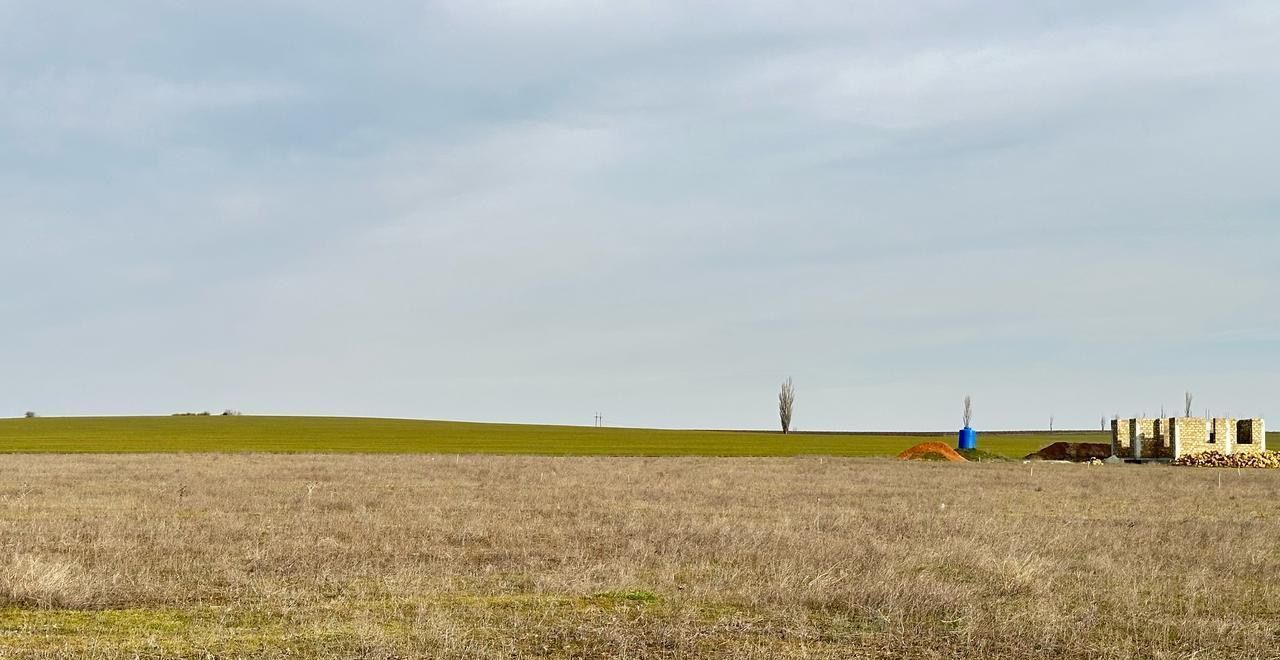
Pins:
<point x="968" y="438"/>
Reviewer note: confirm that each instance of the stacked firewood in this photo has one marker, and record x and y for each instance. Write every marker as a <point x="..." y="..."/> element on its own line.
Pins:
<point x="1265" y="459"/>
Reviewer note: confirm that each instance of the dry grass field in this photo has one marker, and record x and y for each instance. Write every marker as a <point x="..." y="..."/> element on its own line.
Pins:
<point x="210" y="555"/>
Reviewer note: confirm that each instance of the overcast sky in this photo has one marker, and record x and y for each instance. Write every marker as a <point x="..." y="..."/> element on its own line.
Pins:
<point x="530" y="211"/>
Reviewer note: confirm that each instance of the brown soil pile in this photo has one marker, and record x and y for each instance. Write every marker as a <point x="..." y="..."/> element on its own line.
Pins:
<point x="1072" y="451"/>
<point x="931" y="451"/>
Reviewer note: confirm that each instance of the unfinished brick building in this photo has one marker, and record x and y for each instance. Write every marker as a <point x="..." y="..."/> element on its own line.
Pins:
<point x="1157" y="439"/>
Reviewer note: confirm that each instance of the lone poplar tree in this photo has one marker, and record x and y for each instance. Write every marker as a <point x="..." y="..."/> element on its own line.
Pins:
<point x="786" y="403"/>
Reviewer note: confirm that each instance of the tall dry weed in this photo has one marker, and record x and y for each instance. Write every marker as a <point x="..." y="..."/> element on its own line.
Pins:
<point x="34" y="581"/>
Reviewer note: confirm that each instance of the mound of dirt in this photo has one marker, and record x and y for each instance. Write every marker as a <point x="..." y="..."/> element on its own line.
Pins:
<point x="931" y="451"/>
<point x="1072" y="451"/>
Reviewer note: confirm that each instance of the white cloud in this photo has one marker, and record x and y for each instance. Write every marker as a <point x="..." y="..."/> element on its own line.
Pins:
<point x="989" y="79"/>
<point x="515" y="210"/>
<point x="118" y="106"/>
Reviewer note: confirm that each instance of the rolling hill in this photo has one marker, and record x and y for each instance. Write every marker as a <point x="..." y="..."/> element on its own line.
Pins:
<point x="368" y="435"/>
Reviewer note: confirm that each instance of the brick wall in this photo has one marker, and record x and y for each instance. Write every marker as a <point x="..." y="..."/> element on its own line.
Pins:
<point x="1251" y="435"/>
<point x="1151" y="440"/>
<point x="1193" y="435"/>
<point x="1120" y="438"/>
<point x="1154" y="434"/>
<point x="1223" y="434"/>
<point x="1127" y="431"/>
<point x="1160" y="443"/>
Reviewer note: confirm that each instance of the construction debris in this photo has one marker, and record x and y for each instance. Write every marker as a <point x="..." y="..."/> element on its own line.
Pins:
<point x="1263" y="459"/>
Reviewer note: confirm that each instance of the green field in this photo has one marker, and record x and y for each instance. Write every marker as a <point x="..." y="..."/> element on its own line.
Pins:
<point x="362" y="435"/>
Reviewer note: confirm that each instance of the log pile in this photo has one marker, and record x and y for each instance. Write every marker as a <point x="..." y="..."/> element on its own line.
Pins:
<point x="1266" y="459"/>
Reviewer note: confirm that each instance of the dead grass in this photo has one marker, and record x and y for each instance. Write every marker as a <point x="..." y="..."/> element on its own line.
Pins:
<point x="458" y="557"/>
<point x="33" y="581"/>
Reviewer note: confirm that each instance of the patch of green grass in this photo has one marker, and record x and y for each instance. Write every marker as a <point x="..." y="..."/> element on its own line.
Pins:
<point x="363" y="435"/>
<point x="515" y="602"/>
<point x="166" y="632"/>
<point x="623" y="597"/>
<point x="78" y="622"/>
<point x="980" y="455"/>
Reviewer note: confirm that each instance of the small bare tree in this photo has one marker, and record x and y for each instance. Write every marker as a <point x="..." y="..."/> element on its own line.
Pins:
<point x="1189" y="398"/>
<point x="968" y="410"/>
<point x="786" y="404"/>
